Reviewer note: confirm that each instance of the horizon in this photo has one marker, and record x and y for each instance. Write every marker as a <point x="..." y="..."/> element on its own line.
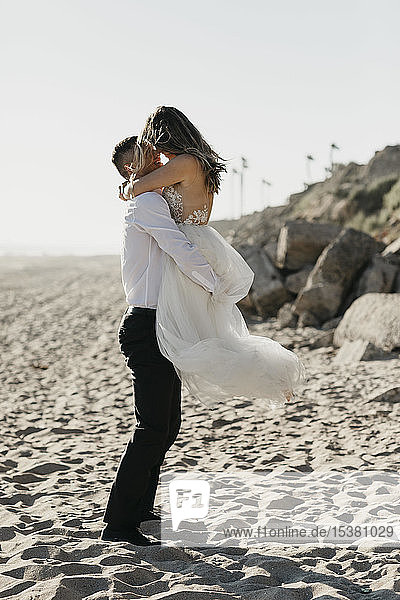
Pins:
<point x="33" y="251"/>
<point x="274" y="83"/>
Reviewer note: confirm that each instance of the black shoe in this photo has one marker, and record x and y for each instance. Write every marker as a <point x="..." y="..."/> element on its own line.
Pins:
<point x="151" y="514"/>
<point x="133" y="536"/>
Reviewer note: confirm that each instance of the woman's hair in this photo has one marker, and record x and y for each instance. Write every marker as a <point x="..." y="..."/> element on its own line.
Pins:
<point x="169" y="130"/>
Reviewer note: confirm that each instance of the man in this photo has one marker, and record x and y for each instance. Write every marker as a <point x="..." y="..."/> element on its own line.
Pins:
<point x="149" y="231"/>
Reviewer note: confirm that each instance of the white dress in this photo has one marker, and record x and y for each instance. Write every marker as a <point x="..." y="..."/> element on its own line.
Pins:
<point x="205" y="335"/>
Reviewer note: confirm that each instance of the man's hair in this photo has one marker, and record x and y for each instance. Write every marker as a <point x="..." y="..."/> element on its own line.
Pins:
<point x="123" y="153"/>
<point x="169" y="130"/>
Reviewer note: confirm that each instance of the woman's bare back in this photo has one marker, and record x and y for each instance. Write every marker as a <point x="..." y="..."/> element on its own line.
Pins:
<point x="190" y="202"/>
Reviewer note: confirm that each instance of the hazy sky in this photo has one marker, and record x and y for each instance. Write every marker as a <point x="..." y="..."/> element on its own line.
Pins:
<point x="272" y="81"/>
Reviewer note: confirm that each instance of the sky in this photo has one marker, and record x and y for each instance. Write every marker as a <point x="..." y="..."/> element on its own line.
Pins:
<point x="271" y="81"/>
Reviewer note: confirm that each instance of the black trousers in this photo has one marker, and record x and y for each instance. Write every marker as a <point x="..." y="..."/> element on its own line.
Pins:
<point x="157" y="390"/>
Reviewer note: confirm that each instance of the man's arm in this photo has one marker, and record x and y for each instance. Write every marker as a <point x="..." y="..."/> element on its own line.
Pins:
<point x="150" y="212"/>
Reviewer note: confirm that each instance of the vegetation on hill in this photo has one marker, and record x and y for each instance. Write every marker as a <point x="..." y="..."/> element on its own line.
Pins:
<point x="365" y="197"/>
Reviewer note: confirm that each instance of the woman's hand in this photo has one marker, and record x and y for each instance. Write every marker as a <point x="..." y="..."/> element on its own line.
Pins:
<point x="130" y="188"/>
<point x="126" y="189"/>
<point x="122" y="190"/>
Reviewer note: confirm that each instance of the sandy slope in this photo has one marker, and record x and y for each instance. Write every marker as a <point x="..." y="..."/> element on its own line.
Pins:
<point x="67" y="414"/>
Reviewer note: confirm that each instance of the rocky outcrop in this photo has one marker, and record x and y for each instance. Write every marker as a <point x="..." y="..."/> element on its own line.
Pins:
<point x="330" y="244"/>
<point x="379" y="276"/>
<point x="268" y="292"/>
<point x="301" y="242"/>
<point x="286" y="316"/>
<point x="351" y="265"/>
<point x="297" y="280"/>
<point x="373" y="318"/>
<point x="385" y="163"/>
<point x="361" y="350"/>
<point x="339" y="263"/>
<point x="366" y="197"/>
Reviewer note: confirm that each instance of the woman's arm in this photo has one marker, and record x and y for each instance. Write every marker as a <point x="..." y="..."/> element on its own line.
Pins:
<point x="180" y="169"/>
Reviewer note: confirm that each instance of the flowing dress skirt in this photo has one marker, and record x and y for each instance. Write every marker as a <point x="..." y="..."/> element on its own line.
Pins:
<point x="206" y="337"/>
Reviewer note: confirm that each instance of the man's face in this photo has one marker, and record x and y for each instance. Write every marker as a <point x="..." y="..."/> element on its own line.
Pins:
<point x="156" y="164"/>
<point x="153" y="164"/>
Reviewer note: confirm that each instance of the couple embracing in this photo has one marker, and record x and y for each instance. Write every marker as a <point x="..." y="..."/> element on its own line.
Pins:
<point x="182" y="327"/>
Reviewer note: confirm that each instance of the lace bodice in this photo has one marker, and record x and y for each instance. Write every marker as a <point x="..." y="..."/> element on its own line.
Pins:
<point x="175" y="203"/>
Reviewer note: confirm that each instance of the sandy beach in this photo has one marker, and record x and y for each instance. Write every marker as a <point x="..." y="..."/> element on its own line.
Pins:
<point x="67" y="412"/>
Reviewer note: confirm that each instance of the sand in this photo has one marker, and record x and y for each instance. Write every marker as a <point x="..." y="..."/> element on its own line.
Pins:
<point x="67" y="413"/>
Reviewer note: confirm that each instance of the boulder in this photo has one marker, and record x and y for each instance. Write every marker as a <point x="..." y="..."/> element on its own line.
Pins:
<point x="332" y="323"/>
<point x="361" y="350"/>
<point x="374" y="318"/>
<point x="390" y="395"/>
<point x="296" y="281"/>
<point x="267" y="292"/>
<point x="392" y="252"/>
<point x="322" y="340"/>
<point x="271" y="249"/>
<point x="307" y="319"/>
<point x="333" y="273"/>
<point x="385" y="163"/>
<point x="300" y="242"/>
<point x="379" y="276"/>
<point x="286" y="316"/>
<point x="342" y="211"/>
<point x="396" y="284"/>
<point x="246" y="304"/>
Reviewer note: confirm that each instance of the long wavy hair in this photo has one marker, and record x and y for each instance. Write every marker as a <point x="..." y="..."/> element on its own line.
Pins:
<point x="169" y="130"/>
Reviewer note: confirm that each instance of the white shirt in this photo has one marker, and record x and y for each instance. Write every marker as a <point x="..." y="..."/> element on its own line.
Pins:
<point x="148" y="231"/>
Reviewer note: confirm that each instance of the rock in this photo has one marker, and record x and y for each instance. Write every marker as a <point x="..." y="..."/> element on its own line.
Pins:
<point x="396" y="284"/>
<point x="300" y="242"/>
<point x="322" y="340"/>
<point x="258" y="228"/>
<point x="342" y="211"/>
<point x="379" y="276"/>
<point x="385" y="163"/>
<point x="331" y="278"/>
<point x="271" y="249"/>
<point x="286" y="316"/>
<point x="361" y="350"/>
<point x="247" y="303"/>
<point x="391" y="395"/>
<point x="374" y="318"/>
<point x="268" y="292"/>
<point x="332" y="323"/>
<point x="296" y="281"/>
<point x="307" y="319"/>
<point x="353" y="195"/>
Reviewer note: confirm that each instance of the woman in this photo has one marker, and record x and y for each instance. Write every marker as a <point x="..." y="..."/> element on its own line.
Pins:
<point x="205" y="335"/>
